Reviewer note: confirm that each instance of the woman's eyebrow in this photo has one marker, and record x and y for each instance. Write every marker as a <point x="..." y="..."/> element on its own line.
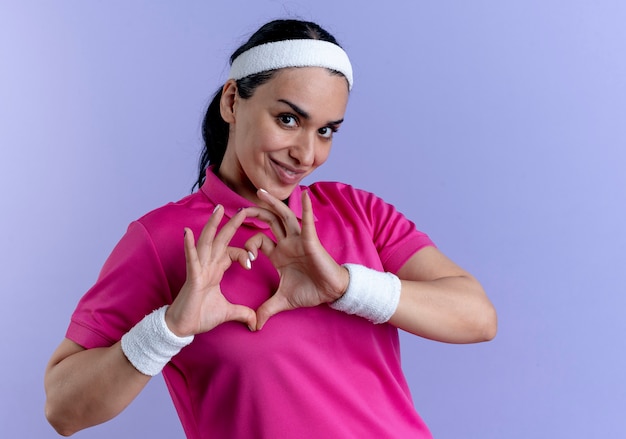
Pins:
<point x="303" y="114"/>
<point x="296" y="109"/>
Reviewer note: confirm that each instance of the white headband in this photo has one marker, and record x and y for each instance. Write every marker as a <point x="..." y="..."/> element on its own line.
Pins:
<point x="292" y="53"/>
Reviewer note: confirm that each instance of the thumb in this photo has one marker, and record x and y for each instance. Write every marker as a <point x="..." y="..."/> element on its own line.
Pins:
<point x="269" y="308"/>
<point x="243" y="314"/>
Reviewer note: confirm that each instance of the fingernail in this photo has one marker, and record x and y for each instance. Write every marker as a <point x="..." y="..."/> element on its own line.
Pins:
<point x="250" y="328"/>
<point x="217" y="206"/>
<point x="248" y="264"/>
<point x="263" y="190"/>
<point x="240" y="209"/>
<point x="251" y="256"/>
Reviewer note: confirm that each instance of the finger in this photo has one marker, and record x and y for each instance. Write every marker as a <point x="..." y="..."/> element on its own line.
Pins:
<point x="243" y="314"/>
<point x="261" y="242"/>
<point x="191" y="255"/>
<point x="269" y="217"/>
<point x="223" y="237"/>
<point x="209" y="230"/>
<point x="240" y="255"/>
<point x="284" y="213"/>
<point x="308" y="219"/>
<point x="269" y="308"/>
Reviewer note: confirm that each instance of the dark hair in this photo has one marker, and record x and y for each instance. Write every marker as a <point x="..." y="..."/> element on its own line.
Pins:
<point x="214" y="128"/>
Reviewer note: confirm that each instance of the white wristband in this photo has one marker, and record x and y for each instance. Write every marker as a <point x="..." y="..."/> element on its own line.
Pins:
<point x="371" y="294"/>
<point x="150" y="344"/>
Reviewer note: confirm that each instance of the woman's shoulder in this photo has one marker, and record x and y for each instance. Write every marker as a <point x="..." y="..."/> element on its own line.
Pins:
<point x="338" y="193"/>
<point x="175" y="213"/>
<point x="336" y="188"/>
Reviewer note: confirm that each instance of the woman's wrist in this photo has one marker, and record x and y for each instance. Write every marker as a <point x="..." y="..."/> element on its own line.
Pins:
<point x="343" y="283"/>
<point x="150" y="344"/>
<point x="370" y="294"/>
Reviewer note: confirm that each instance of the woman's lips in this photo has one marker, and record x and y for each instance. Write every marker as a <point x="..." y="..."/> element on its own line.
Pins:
<point x="287" y="174"/>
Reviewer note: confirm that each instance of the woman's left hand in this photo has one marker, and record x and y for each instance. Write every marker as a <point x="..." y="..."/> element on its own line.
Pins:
<point x="309" y="276"/>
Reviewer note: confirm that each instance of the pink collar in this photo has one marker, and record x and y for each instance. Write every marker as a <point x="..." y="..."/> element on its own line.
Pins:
<point x="219" y="193"/>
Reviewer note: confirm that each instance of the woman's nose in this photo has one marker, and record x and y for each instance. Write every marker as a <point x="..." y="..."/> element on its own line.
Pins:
<point x="304" y="149"/>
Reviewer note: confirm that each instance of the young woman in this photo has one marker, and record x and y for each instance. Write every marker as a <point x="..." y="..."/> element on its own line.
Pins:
<point x="280" y="320"/>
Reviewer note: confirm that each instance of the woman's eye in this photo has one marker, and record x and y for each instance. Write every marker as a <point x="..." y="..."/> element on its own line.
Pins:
<point x="287" y="120"/>
<point x="326" y="132"/>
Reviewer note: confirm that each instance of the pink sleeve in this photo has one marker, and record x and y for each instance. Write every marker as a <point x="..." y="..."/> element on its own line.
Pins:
<point x="396" y="237"/>
<point x="131" y="284"/>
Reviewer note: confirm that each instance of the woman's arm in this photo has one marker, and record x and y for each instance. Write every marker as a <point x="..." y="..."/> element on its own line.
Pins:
<point x="438" y="299"/>
<point x="441" y="301"/>
<point x="88" y="387"/>
<point x="85" y="387"/>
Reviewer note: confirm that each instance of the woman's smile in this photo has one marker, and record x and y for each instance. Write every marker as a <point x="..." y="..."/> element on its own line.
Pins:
<point x="288" y="175"/>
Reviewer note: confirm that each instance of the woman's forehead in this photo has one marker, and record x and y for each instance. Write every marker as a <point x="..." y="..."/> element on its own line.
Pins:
<point x="312" y="89"/>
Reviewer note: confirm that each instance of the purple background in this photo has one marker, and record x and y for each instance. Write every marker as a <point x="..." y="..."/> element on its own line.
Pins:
<point x="498" y="127"/>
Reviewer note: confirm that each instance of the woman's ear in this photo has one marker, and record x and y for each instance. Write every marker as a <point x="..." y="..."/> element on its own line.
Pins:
<point x="228" y="100"/>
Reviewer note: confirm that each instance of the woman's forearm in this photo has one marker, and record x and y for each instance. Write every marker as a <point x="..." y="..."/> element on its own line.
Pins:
<point x="441" y="301"/>
<point x="451" y="310"/>
<point x="88" y="387"/>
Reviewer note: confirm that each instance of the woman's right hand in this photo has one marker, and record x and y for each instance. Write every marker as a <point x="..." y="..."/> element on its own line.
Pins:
<point x="200" y="305"/>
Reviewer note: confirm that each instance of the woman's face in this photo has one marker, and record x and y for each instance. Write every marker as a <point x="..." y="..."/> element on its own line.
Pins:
<point x="283" y="132"/>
